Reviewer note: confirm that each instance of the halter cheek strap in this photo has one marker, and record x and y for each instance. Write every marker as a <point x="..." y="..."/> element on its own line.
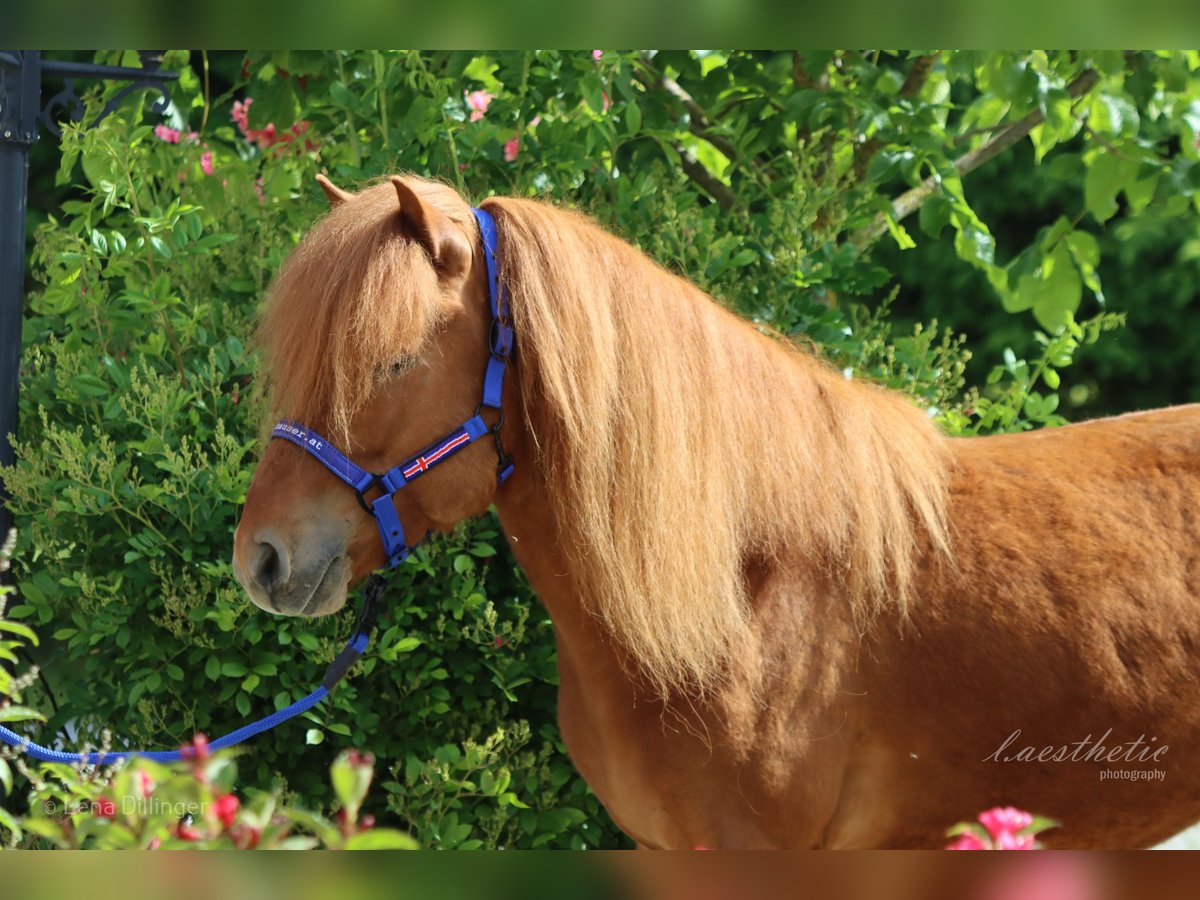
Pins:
<point x="383" y="508"/>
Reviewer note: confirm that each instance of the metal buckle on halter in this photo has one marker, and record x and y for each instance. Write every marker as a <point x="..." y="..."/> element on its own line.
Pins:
<point x="500" y="340"/>
<point x="360" y="496"/>
<point x="504" y="462"/>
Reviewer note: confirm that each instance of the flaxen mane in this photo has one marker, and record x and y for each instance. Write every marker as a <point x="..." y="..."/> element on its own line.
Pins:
<point x="677" y="440"/>
<point x="345" y="305"/>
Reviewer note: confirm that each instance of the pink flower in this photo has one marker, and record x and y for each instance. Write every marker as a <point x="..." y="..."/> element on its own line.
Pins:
<point x="197" y="749"/>
<point x="607" y="102"/>
<point x="967" y="841"/>
<point x="225" y="807"/>
<point x="105" y="808"/>
<point x="1009" y="841"/>
<point x="1004" y="821"/>
<point x="269" y="135"/>
<point x="511" y="149"/>
<point x="145" y="784"/>
<point x="479" y="101"/>
<point x="185" y="832"/>
<point x="596" y="54"/>
<point x="165" y="133"/>
<point x="241" y="114"/>
<point x="206" y="162"/>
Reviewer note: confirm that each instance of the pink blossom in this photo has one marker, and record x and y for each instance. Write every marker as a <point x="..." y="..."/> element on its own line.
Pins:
<point x="226" y="807"/>
<point x="1008" y="841"/>
<point x="165" y="133"/>
<point x="596" y="54"/>
<point x="269" y="135"/>
<point x="1004" y="820"/>
<point x="967" y="841"/>
<point x="607" y="103"/>
<point x="241" y="114"/>
<point x="511" y="149"/>
<point x="206" y="162"/>
<point x="479" y="101"/>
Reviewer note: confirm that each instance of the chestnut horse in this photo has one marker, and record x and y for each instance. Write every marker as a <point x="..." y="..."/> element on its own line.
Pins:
<point x="789" y="612"/>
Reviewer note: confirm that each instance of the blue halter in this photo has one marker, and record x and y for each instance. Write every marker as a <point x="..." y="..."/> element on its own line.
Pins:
<point x="382" y="508"/>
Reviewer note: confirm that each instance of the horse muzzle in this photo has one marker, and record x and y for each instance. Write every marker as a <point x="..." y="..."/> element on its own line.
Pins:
<point x="283" y="581"/>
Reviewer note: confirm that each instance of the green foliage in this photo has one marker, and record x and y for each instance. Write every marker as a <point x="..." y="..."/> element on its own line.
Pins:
<point x="142" y="805"/>
<point x="768" y="178"/>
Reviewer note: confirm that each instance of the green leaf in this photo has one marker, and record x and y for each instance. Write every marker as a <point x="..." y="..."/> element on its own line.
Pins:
<point x="633" y="117"/>
<point x="902" y="238"/>
<point x="934" y="215"/>
<point x="1113" y="114"/>
<point x="314" y="736"/>
<point x="340" y="94"/>
<point x="20" y="714"/>
<point x="1085" y="248"/>
<point x="7" y="820"/>
<point x="1057" y="296"/>
<point x="1140" y="192"/>
<point x="380" y="839"/>
<point x="1106" y="176"/>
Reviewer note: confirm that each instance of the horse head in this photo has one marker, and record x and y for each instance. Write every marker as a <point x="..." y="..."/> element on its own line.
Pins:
<point x="376" y="335"/>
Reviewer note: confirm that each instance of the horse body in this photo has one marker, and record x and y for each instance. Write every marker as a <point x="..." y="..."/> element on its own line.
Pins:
<point x="788" y="612"/>
<point x="1070" y="612"/>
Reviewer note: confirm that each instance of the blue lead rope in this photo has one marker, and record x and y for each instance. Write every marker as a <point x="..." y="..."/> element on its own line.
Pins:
<point x="351" y="653"/>
<point x="382" y="509"/>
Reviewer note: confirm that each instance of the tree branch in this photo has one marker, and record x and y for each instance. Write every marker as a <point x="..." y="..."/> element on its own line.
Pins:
<point x="918" y="74"/>
<point x="910" y="201"/>
<point x="709" y="183"/>
<point x="698" y="123"/>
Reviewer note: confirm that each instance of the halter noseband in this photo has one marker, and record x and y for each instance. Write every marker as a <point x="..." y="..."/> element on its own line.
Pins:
<point x="382" y="509"/>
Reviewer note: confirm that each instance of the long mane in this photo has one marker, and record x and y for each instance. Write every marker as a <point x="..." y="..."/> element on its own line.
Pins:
<point x="345" y="303"/>
<point x="678" y="441"/>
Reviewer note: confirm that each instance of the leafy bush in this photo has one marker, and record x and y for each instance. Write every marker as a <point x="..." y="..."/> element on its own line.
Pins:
<point x="765" y="177"/>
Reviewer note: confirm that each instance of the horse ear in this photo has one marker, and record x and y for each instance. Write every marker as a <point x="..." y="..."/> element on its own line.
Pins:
<point x="445" y="242"/>
<point x="335" y="194"/>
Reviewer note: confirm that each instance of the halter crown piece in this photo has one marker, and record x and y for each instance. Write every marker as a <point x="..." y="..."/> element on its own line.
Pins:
<point x="391" y="532"/>
<point x="382" y="508"/>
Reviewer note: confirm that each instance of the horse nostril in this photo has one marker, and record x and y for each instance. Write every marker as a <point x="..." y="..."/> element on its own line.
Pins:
<point x="270" y="566"/>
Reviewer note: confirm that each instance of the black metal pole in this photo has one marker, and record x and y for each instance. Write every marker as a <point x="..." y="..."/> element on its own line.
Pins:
<point x="20" y="98"/>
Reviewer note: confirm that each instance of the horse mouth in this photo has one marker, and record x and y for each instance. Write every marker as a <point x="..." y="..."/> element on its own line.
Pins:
<point x="321" y="603"/>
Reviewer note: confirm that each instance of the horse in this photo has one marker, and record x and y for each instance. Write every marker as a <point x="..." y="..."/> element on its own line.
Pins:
<point x="789" y="611"/>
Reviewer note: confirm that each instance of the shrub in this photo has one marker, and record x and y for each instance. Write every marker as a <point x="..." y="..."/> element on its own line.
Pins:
<point x="756" y="174"/>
